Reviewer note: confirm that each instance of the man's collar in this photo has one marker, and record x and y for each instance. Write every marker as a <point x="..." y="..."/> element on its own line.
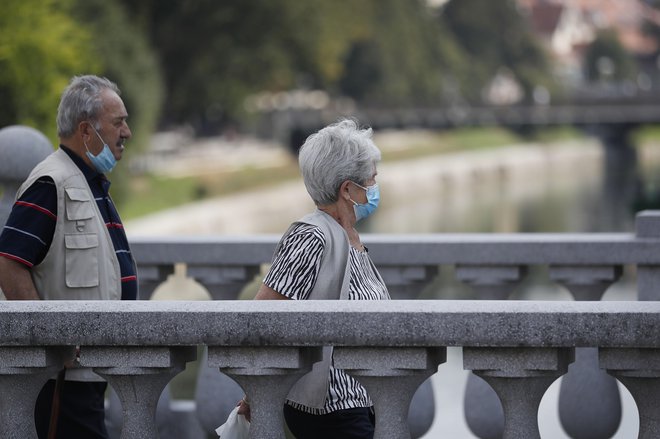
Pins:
<point x="89" y="173"/>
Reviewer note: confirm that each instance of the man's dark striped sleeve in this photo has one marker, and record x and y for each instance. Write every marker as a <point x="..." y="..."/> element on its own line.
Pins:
<point x="28" y="232"/>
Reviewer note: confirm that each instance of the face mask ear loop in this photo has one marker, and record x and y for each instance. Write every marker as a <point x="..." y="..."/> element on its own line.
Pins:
<point x="97" y="134"/>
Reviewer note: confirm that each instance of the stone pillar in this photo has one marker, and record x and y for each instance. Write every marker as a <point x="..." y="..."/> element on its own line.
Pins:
<point x="648" y="275"/>
<point x="23" y="372"/>
<point x="639" y="370"/>
<point x="589" y="400"/>
<point x="266" y="374"/>
<point x="21" y="148"/>
<point x="138" y="375"/>
<point x="391" y="376"/>
<point x="520" y="377"/>
<point x="620" y="175"/>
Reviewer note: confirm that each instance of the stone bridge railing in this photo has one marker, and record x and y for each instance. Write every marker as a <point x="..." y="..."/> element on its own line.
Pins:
<point x="487" y="266"/>
<point x="518" y="347"/>
<point x="493" y="265"/>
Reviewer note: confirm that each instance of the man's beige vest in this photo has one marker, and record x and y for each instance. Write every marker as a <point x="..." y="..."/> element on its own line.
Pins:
<point x="332" y="283"/>
<point x="81" y="263"/>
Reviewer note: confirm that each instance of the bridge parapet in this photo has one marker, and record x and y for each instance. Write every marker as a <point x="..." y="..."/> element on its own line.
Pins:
<point x="519" y="347"/>
<point x="493" y="266"/>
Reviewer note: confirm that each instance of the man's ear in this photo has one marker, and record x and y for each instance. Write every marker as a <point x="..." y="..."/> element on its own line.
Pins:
<point x="84" y="128"/>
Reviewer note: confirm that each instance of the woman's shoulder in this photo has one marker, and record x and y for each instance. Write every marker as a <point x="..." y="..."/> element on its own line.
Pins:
<point x="305" y="232"/>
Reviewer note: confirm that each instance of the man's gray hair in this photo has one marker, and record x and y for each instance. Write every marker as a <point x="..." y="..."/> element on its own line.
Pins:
<point x="339" y="152"/>
<point x="80" y="101"/>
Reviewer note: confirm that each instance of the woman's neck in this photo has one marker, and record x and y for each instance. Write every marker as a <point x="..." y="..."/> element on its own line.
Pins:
<point x="345" y="216"/>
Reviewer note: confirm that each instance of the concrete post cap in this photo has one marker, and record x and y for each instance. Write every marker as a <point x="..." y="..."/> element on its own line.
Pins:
<point x="21" y="148"/>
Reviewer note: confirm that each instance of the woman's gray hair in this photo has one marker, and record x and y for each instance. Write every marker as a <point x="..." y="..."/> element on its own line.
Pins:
<point x="339" y="152"/>
<point x="80" y="101"/>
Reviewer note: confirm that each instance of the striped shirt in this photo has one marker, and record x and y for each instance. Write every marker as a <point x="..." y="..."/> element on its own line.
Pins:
<point x="293" y="274"/>
<point x="29" y="230"/>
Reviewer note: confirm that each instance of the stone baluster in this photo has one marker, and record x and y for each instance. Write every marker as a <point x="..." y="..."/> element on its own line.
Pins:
<point x="589" y="400"/>
<point x="23" y="372"/>
<point x="266" y="374"/>
<point x="483" y="411"/>
<point x="151" y="276"/>
<point x="138" y="374"/>
<point x="407" y="281"/>
<point x="391" y="376"/>
<point x="223" y="282"/>
<point x="648" y="275"/>
<point x="639" y="370"/>
<point x="520" y="377"/>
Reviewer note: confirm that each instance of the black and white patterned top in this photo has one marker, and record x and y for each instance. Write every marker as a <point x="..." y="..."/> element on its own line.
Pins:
<point x="293" y="274"/>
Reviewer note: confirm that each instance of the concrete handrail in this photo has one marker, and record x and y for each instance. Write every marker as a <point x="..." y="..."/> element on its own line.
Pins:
<point x="347" y="323"/>
<point x="476" y="248"/>
<point x="518" y="347"/>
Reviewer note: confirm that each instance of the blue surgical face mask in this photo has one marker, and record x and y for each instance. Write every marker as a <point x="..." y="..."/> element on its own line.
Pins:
<point x="373" y="198"/>
<point x="105" y="161"/>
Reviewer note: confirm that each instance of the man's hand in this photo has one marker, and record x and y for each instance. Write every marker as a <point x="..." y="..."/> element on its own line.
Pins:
<point x="15" y="281"/>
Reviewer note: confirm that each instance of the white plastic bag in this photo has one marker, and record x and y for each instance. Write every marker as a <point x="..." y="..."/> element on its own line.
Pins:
<point x="236" y="427"/>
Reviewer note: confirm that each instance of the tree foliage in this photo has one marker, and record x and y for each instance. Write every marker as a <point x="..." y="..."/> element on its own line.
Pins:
<point x="43" y="43"/>
<point x="607" y="59"/>
<point x="194" y="62"/>
<point x="126" y="58"/>
<point x="41" y="47"/>
<point x="123" y="52"/>
<point x="400" y="60"/>
<point x="214" y="54"/>
<point x="493" y="35"/>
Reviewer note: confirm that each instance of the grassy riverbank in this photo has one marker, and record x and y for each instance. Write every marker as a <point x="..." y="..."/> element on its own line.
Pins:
<point x="151" y="192"/>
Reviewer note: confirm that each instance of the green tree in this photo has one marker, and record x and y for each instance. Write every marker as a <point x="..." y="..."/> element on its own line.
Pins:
<point x="607" y="60"/>
<point x="41" y="47"/>
<point x="126" y="58"/>
<point x="213" y="54"/>
<point x="121" y="48"/>
<point x="400" y="61"/>
<point x="493" y="35"/>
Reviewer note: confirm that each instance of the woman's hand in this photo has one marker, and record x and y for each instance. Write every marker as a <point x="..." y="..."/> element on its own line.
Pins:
<point x="244" y="409"/>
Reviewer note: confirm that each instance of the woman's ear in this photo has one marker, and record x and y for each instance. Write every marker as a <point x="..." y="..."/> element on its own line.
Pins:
<point x="343" y="190"/>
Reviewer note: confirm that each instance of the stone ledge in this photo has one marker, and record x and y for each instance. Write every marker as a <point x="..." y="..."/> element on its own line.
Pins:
<point x="349" y="323"/>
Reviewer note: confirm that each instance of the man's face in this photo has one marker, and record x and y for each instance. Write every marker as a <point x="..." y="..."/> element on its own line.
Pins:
<point x="113" y="127"/>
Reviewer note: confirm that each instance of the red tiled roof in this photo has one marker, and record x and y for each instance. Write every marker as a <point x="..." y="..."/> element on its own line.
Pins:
<point x="545" y="17"/>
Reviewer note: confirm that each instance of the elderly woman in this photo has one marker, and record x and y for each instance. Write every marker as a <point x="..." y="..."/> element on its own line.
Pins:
<point x="321" y="257"/>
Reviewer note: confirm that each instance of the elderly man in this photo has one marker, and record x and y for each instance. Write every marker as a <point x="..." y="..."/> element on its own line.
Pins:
<point x="64" y="239"/>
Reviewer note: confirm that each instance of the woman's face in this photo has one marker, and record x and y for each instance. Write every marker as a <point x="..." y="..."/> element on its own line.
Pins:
<point x="358" y="194"/>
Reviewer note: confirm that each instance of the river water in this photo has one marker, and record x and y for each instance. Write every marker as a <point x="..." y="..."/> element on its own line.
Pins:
<point x="572" y="186"/>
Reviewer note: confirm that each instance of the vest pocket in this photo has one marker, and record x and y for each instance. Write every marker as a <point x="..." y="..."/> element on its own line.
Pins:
<point x="82" y="260"/>
<point x="78" y="204"/>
